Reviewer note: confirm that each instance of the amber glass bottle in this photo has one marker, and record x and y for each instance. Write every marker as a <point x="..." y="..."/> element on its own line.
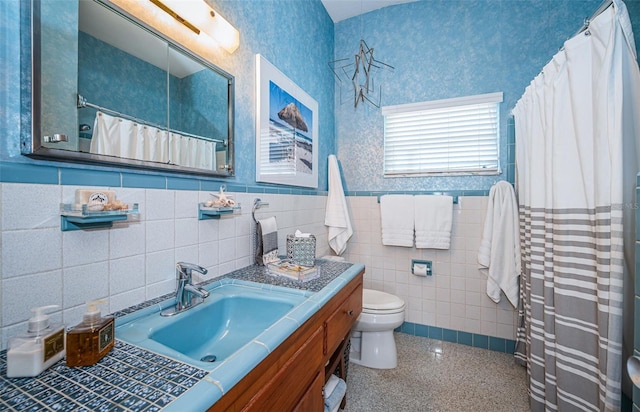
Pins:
<point x="90" y="340"/>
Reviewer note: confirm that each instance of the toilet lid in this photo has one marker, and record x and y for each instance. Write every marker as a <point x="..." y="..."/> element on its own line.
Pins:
<point x="376" y="300"/>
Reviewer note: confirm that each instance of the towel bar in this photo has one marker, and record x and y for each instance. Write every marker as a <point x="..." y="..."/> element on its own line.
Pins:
<point x="257" y="203"/>
<point x="455" y="198"/>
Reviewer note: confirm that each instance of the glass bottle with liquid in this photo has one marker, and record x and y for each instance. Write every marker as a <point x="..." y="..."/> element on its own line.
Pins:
<point x="90" y="340"/>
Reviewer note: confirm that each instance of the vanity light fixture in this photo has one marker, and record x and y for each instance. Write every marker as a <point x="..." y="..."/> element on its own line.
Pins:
<point x="176" y="16"/>
<point x="198" y="15"/>
<point x="199" y="25"/>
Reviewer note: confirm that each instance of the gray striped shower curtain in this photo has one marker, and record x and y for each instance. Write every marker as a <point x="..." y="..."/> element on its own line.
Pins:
<point x="575" y="153"/>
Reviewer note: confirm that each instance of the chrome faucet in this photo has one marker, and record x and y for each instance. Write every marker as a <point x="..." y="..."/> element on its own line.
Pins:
<point x="187" y="294"/>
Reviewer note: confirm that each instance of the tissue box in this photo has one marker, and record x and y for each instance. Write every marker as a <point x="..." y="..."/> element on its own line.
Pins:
<point x="301" y="250"/>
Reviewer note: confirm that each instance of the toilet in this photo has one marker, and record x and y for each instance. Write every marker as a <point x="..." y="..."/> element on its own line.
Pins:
<point x="372" y="341"/>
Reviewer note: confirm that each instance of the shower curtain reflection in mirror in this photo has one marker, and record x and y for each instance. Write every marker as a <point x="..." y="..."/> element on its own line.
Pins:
<point x="115" y="136"/>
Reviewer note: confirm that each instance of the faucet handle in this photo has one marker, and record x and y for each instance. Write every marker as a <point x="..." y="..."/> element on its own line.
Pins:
<point x="185" y="269"/>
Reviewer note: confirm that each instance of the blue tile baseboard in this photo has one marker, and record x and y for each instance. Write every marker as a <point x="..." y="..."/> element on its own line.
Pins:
<point x="456" y="336"/>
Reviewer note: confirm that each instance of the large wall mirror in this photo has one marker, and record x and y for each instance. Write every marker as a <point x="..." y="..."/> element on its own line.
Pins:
<point x="108" y="89"/>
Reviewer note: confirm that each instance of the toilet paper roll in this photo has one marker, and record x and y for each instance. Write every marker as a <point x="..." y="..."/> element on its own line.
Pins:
<point x="420" y="269"/>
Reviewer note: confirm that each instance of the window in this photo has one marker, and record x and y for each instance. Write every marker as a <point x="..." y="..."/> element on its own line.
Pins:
<point x="456" y="136"/>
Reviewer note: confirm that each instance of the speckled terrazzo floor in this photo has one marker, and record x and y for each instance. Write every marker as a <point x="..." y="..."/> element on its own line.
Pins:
<point x="439" y="376"/>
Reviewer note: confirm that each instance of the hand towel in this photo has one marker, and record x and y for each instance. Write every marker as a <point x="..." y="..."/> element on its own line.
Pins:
<point x="336" y="215"/>
<point x="333" y="397"/>
<point x="396" y="212"/>
<point x="433" y="220"/>
<point x="331" y="384"/>
<point x="499" y="252"/>
<point x="267" y="250"/>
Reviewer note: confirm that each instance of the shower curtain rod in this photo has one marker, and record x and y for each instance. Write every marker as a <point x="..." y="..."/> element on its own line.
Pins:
<point x="605" y="5"/>
<point x="82" y="102"/>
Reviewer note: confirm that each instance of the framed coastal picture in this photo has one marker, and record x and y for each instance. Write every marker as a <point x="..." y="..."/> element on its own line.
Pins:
<point x="286" y="129"/>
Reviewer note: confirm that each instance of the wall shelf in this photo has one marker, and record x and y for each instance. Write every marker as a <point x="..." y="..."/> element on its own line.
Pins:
<point x="73" y="219"/>
<point x="205" y="212"/>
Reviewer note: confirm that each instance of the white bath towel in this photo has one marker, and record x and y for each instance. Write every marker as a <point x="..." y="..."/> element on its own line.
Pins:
<point x="499" y="253"/>
<point x="336" y="216"/>
<point x="396" y="213"/>
<point x="267" y="250"/>
<point x="433" y="220"/>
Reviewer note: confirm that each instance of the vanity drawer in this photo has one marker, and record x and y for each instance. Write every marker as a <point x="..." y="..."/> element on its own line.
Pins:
<point x="339" y="323"/>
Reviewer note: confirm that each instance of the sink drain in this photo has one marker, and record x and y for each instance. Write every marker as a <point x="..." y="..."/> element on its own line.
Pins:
<point x="208" y="358"/>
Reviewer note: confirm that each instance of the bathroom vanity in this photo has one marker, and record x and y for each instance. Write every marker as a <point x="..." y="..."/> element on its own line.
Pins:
<point x="293" y="375"/>
<point x="283" y="368"/>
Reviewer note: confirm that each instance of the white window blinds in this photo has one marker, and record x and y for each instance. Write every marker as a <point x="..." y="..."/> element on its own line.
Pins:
<point x="451" y="136"/>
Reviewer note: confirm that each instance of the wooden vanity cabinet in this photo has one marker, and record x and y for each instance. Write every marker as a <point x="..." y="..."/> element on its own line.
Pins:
<point x="339" y="323"/>
<point x="291" y="378"/>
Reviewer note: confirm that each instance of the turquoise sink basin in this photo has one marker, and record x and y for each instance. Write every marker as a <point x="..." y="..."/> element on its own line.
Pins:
<point x="232" y="316"/>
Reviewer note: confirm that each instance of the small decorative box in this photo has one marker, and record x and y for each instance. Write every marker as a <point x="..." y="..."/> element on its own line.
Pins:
<point x="301" y="250"/>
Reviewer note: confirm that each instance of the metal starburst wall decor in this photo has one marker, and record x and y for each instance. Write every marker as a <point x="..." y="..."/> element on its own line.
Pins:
<point x="357" y="75"/>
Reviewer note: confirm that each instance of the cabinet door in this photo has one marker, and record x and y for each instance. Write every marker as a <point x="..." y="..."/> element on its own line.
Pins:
<point x="313" y="399"/>
<point x="292" y="381"/>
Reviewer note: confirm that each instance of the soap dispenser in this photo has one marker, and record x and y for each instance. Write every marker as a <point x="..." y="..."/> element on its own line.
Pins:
<point x="90" y="340"/>
<point x="42" y="346"/>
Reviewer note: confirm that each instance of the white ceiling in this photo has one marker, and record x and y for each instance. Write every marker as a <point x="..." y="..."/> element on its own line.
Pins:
<point x="344" y="9"/>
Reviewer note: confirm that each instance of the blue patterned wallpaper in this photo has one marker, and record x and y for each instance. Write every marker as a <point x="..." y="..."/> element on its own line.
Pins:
<point x="442" y="49"/>
<point x="113" y="79"/>
<point x="296" y="36"/>
<point x="116" y="80"/>
<point x="202" y="98"/>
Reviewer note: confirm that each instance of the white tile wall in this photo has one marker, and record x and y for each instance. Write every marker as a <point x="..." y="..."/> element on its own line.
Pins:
<point x="133" y="261"/>
<point x="454" y="296"/>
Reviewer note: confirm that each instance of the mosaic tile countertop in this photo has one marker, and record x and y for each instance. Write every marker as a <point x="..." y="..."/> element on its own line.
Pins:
<point x="130" y="378"/>
<point x="329" y="270"/>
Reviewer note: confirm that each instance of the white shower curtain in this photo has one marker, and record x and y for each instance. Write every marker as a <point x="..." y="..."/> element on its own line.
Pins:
<point x="115" y="136"/>
<point x="576" y="139"/>
<point x="112" y="136"/>
<point x="156" y="145"/>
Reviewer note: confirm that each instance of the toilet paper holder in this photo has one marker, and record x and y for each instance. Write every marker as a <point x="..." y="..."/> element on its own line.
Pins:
<point x="421" y="267"/>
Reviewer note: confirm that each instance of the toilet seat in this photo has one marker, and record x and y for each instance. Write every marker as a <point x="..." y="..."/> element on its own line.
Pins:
<point x="376" y="302"/>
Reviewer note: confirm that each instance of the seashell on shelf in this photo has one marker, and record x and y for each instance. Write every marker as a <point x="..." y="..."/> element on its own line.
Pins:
<point x="116" y="205"/>
<point x="222" y="200"/>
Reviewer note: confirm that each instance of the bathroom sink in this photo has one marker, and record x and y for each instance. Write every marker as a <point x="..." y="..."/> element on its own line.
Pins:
<point x="231" y="317"/>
